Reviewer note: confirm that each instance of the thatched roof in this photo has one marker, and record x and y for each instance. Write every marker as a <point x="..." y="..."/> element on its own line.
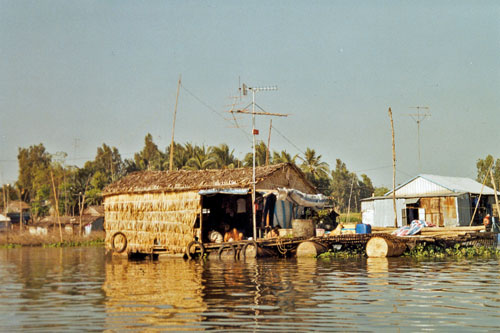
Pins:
<point x="66" y="220"/>
<point x="13" y="206"/>
<point x="185" y="180"/>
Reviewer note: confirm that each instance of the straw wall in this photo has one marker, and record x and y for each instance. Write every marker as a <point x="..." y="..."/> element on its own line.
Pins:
<point x="149" y="219"/>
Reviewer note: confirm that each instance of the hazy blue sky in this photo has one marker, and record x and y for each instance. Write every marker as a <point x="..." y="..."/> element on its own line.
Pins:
<point x="76" y="74"/>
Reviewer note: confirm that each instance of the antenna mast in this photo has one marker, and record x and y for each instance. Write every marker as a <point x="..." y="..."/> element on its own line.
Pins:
<point x="419" y="117"/>
<point x="171" y="162"/>
<point x="255" y="132"/>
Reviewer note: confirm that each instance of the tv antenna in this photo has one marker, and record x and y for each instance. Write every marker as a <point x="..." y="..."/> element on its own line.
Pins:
<point x="244" y="91"/>
<point x="419" y="117"/>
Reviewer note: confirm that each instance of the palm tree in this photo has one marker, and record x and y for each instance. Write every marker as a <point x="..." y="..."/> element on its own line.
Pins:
<point x="260" y="155"/>
<point x="223" y="158"/>
<point x="313" y="166"/>
<point x="283" y="157"/>
<point x="200" y="160"/>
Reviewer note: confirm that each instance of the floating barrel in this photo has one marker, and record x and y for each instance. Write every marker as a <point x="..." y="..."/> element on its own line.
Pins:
<point x="303" y="228"/>
<point x="384" y="247"/>
<point x="310" y="249"/>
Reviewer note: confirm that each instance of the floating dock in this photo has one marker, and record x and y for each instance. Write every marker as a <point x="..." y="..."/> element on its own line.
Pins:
<point x="378" y="243"/>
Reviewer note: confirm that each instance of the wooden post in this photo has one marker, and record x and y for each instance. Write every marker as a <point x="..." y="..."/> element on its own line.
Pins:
<point x="4" y="200"/>
<point x="268" y="152"/>
<point x="496" y="197"/>
<point x="480" y="193"/>
<point x="20" y="211"/>
<point x="393" y="171"/>
<point x="171" y="162"/>
<point x="57" y="205"/>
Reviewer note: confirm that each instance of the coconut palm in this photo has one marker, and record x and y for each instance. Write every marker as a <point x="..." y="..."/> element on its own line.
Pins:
<point x="312" y="165"/>
<point x="200" y="160"/>
<point x="223" y="157"/>
<point x="260" y="155"/>
<point x="283" y="157"/>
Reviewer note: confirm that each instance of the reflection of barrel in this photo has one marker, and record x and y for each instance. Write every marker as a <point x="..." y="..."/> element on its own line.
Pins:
<point x="310" y="249"/>
<point x="303" y="228"/>
<point x="384" y="247"/>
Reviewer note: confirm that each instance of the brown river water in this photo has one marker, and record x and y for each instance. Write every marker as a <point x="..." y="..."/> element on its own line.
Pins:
<point x="80" y="289"/>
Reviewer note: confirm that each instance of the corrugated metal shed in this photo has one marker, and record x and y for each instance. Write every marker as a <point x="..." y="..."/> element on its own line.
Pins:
<point x="432" y="184"/>
<point x="444" y="201"/>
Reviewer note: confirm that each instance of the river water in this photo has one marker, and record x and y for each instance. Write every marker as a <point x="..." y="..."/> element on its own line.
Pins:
<point x="80" y="289"/>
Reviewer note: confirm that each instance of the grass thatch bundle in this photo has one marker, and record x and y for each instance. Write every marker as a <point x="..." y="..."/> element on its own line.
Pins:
<point x="152" y="219"/>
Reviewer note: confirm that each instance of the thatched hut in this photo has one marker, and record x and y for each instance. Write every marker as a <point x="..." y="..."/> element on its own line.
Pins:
<point x="167" y="210"/>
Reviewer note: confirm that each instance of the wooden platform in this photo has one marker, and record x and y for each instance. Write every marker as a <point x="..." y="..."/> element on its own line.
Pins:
<point x="287" y="246"/>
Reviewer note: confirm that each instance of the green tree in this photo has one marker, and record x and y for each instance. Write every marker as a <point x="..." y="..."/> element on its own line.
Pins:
<point x="316" y="171"/>
<point x="283" y="157"/>
<point x="34" y="163"/>
<point x="108" y="161"/>
<point x="223" y="157"/>
<point x="260" y="155"/>
<point x="200" y="160"/>
<point x="106" y="168"/>
<point x="380" y="191"/>
<point x="342" y="183"/>
<point x="366" y="188"/>
<point x="483" y="166"/>
<point x="313" y="166"/>
<point x="150" y="157"/>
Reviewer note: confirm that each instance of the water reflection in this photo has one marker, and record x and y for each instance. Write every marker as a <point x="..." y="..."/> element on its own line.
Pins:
<point x="43" y="289"/>
<point x="153" y="293"/>
<point x="78" y="289"/>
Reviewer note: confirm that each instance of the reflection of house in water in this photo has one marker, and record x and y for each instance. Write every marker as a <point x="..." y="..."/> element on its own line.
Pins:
<point x="443" y="201"/>
<point x="153" y="294"/>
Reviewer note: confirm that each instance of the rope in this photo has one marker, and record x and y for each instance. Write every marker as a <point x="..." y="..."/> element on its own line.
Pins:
<point x="281" y="248"/>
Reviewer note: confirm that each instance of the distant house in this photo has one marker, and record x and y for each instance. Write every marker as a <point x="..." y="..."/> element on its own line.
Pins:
<point x="4" y="223"/>
<point x="443" y="201"/>
<point x="70" y="224"/>
<point x="94" y="211"/>
<point x="15" y="207"/>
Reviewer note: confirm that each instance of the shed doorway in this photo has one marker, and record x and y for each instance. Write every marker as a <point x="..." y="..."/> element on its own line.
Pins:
<point x="223" y="212"/>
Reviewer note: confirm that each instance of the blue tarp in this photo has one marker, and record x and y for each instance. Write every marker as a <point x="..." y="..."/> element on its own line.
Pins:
<point x="302" y="199"/>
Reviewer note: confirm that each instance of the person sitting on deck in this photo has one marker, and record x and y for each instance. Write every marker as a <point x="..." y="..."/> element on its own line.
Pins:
<point x="274" y="232"/>
<point x="233" y="236"/>
<point x="487" y="222"/>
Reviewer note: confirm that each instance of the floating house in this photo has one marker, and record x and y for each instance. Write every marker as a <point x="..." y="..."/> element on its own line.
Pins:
<point x="443" y="201"/>
<point x="165" y="211"/>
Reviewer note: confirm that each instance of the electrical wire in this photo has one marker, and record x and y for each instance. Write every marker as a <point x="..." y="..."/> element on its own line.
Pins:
<point x="214" y="110"/>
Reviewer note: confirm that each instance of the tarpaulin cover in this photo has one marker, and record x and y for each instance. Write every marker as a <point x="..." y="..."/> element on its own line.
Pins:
<point x="241" y="191"/>
<point x="302" y="199"/>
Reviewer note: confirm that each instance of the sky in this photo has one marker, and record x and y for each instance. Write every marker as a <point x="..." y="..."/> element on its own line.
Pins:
<point x="77" y="74"/>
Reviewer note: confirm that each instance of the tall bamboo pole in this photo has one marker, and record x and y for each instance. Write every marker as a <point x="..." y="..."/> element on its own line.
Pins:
<point x="393" y="171"/>
<point x="480" y="194"/>
<point x="4" y="201"/>
<point x="20" y="210"/>
<point x="171" y="162"/>
<point x="57" y="205"/>
<point x="268" y="152"/>
<point x="496" y="197"/>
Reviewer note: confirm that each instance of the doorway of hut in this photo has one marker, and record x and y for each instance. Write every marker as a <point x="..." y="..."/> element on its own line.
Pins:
<point x="223" y="212"/>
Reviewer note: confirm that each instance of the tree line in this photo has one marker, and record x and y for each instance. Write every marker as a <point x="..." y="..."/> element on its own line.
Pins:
<point x="40" y="173"/>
